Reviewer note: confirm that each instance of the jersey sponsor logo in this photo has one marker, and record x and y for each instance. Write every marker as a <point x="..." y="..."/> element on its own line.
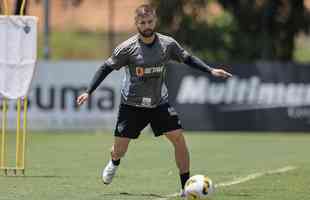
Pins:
<point x="152" y="70"/>
<point x="140" y="71"/>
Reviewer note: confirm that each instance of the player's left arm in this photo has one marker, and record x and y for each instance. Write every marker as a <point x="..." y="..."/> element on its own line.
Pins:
<point x="196" y="63"/>
<point x="180" y="54"/>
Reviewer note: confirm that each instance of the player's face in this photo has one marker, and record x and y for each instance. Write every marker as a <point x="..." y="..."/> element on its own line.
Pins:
<point x="146" y="25"/>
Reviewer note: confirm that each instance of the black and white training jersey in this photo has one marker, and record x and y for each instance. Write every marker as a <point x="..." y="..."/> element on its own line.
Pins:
<point x="145" y="69"/>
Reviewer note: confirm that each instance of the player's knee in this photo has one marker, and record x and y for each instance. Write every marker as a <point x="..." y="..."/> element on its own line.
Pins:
<point x="176" y="137"/>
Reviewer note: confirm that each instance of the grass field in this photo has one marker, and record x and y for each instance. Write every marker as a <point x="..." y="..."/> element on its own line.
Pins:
<point x="79" y="45"/>
<point x="68" y="166"/>
<point x="83" y="45"/>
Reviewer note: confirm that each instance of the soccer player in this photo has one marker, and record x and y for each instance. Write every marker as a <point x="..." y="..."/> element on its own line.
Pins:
<point x="144" y="95"/>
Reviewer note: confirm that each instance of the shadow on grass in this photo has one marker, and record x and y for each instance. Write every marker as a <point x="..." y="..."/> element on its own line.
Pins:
<point x="240" y="194"/>
<point x="135" y="194"/>
<point x="33" y="176"/>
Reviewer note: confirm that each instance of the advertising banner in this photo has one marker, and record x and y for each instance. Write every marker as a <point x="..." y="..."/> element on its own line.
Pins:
<point x="53" y="93"/>
<point x="259" y="97"/>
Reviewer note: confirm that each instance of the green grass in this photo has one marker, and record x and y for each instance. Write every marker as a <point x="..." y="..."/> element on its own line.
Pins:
<point x="302" y="55"/>
<point x="79" y="44"/>
<point x="68" y="166"/>
<point x="86" y="45"/>
<point x="302" y="49"/>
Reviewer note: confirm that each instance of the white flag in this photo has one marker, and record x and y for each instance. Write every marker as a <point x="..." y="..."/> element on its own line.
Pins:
<point x="18" y="54"/>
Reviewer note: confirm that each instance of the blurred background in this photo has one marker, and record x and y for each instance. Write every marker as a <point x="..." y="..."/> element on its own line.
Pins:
<point x="264" y="43"/>
<point x="217" y="30"/>
<point x="252" y="127"/>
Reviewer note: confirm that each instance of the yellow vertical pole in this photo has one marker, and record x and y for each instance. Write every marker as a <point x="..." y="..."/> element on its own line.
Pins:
<point x="24" y="133"/>
<point x="20" y="138"/>
<point x="25" y="108"/>
<point x="18" y="133"/>
<point x="4" y="112"/>
<point x="21" y="12"/>
<point x="3" y="131"/>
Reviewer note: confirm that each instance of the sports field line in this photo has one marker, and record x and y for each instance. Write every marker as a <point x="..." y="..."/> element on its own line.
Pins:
<point x="254" y="176"/>
<point x="243" y="179"/>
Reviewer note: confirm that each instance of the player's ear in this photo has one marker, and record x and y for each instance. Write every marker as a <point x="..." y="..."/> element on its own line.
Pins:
<point x="157" y="22"/>
<point x="137" y="19"/>
<point x="155" y="19"/>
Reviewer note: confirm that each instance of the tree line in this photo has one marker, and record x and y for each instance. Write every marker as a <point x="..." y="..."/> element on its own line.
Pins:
<point x="243" y="31"/>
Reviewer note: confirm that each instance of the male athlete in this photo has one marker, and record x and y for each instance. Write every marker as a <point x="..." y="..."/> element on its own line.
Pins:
<point x="144" y="95"/>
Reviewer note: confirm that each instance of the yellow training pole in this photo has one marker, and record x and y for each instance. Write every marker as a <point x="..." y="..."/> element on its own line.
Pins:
<point x="3" y="138"/>
<point x="4" y="112"/>
<point x="21" y="12"/>
<point x="25" y="108"/>
<point x="24" y="133"/>
<point x="18" y="134"/>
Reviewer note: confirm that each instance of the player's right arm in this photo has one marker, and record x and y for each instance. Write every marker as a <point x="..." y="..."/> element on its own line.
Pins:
<point x="115" y="62"/>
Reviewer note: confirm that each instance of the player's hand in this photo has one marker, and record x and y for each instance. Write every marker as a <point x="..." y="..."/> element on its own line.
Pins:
<point x="82" y="98"/>
<point x="220" y="73"/>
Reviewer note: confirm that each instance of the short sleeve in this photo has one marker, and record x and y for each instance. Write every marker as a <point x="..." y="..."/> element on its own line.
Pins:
<point x="118" y="59"/>
<point x="178" y="53"/>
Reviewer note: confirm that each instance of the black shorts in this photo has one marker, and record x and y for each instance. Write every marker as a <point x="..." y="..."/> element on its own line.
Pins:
<point x="132" y="120"/>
